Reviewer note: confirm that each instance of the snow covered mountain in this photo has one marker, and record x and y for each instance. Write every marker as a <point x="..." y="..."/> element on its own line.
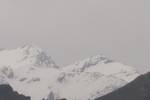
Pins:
<point x="30" y="71"/>
<point x="25" y="55"/>
<point x="91" y="78"/>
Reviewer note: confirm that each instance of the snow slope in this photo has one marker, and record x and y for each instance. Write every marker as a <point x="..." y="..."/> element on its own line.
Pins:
<point x="25" y="55"/>
<point x="92" y="77"/>
<point x="30" y="71"/>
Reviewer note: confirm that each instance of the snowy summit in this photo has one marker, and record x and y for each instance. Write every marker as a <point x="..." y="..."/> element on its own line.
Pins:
<point x="30" y="71"/>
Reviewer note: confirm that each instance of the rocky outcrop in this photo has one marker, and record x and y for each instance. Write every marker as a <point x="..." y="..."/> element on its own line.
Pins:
<point x="7" y="93"/>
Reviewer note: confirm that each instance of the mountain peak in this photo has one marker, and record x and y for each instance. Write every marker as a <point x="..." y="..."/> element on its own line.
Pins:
<point x="93" y="60"/>
<point x="89" y="62"/>
<point x="31" y="46"/>
<point x="26" y="55"/>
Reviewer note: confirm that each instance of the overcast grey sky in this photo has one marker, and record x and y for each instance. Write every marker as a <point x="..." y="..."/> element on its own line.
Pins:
<point x="70" y="30"/>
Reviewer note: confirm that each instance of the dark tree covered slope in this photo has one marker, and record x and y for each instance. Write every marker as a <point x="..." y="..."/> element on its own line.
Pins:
<point x="7" y="93"/>
<point x="139" y="89"/>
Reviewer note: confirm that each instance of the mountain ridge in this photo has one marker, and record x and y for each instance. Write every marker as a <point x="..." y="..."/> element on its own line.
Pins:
<point x="29" y="67"/>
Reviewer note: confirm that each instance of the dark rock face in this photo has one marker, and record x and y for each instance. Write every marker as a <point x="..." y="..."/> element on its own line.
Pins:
<point x="139" y="89"/>
<point x="7" y="93"/>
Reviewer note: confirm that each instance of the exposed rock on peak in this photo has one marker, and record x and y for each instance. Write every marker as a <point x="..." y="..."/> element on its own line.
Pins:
<point x="96" y="59"/>
<point x="29" y="55"/>
<point x="6" y="72"/>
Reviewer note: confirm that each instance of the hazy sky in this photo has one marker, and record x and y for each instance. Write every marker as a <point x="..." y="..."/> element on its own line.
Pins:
<point x="70" y="30"/>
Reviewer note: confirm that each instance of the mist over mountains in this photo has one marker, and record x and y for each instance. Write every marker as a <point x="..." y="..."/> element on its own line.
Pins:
<point x="31" y="72"/>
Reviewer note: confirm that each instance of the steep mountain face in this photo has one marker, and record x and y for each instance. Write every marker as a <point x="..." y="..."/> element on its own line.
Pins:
<point x="139" y="89"/>
<point x="25" y="55"/>
<point x="92" y="77"/>
<point x="7" y="93"/>
<point x="30" y="71"/>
